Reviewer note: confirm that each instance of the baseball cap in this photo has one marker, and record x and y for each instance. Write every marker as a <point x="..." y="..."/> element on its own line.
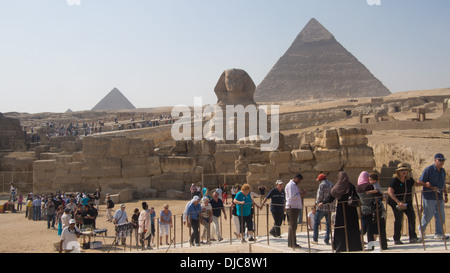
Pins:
<point x="279" y="182"/>
<point x="71" y="221"/>
<point x="439" y="156"/>
<point x="321" y="177"/>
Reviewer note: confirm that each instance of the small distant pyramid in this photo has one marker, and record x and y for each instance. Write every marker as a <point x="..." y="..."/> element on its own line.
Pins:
<point x="317" y="66"/>
<point x="115" y="100"/>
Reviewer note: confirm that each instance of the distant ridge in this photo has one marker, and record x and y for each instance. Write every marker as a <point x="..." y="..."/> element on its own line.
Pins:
<point x="114" y="100"/>
<point x="317" y="66"/>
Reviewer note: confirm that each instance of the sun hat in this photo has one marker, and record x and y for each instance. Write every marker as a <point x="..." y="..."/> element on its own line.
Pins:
<point x="403" y="166"/>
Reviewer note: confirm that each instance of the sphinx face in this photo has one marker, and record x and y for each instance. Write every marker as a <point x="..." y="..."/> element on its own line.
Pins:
<point x="234" y="81"/>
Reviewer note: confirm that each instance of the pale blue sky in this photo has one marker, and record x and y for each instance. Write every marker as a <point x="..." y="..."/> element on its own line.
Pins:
<point x="54" y="56"/>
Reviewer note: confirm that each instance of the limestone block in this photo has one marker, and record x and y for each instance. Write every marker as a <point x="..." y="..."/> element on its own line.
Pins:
<point x="256" y="168"/>
<point x="224" y="168"/>
<point x="71" y="146"/>
<point x="48" y="156"/>
<point x="207" y="162"/>
<point x="153" y="165"/>
<point x="190" y="178"/>
<point x="223" y="157"/>
<point x="352" y="136"/>
<point x="167" y="181"/>
<point x="64" y="158"/>
<point x="279" y="157"/>
<point x="177" y="164"/>
<point x="327" y="160"/>
<point x="302" y="155"/>
<point x="174" y="194"/>
<point x="101" y="167"/>
<point x="125" y="196"/>
<point x="254" y="178"/>
<point x="44" y="165"/>
<point x="253" y="155"/>
<point x="96" y="147"/>
<point x="358" y="157"/>
<point x="141" y="146"/>
<point x="327" y="139"/>
<point x="119" y="147"/>
<point x="77" y="156"/>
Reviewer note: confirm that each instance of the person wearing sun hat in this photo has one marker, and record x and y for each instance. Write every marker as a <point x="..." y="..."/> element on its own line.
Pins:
<point x="434" y="195"/>
<point x="400" y="200"/>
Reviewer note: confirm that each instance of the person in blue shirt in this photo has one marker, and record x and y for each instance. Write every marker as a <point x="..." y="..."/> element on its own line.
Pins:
<point x="244" y="202"/>
<point x="193" y="220"/>
<point x="434" y="195"/>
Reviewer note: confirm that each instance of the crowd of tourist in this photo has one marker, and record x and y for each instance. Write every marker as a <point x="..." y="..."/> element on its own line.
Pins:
<point x="56" y="129"/>
<point x="337" y="203"/>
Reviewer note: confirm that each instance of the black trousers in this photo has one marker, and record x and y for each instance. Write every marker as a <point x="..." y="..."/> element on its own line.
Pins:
<point x="195" y="235"/>
<point x="398" y="220"/>
<point x="278" y="215"/>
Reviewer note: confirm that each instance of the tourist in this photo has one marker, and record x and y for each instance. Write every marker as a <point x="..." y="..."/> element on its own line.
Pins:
<point x="135" y="223"/>
<point x="205" y="220"/>
<point x="144" y="229"/>
<point x="77" y="216"/>
<point x="195" y="197"/>
<point x="94" y="213"/>
<point x="120" y="217"/>
<point x="370" y="201"/>
<point x="87" y="218"/>
<point x="293" y="207"/>
<point x="97" y="196"/>
<point x="235" y="219"/>
<point x="50" y="212"/>
<point x="217" y="210"/>
<point x="310" y="218"/>
<point x="71" y="206"/>
<point x="152" y="221"/>
<point x="37" y="208"/>
<point x="109" y="207"/>
<point x="278" y="200"/>
<point x="347" y="236"/>
<point x="434" y="196"/>
<point x="19" y="202"/>
<point x="192" y="220"/>
<point x="225" y="194"/>
<point x="69" y="238"/>
<point x="165" y="223"/>
<point x="244" y="203"/>
<point x="59" y="214"/>
<point x="30" y="209"/>
<point x="65" y="218"/>
<point x="325" y="210"/>
<point x="400" y="200"/>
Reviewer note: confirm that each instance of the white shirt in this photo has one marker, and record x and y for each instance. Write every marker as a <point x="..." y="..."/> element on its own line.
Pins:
<point x="120" y="216"/>
<point x="68" y="236"/>
<point x="293" y="199"/>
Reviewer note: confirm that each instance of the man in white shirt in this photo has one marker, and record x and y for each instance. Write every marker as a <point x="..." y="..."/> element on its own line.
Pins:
<point x="120" y="217"/>
<point x="293" y="207"/>
<point x="69" y="238"/>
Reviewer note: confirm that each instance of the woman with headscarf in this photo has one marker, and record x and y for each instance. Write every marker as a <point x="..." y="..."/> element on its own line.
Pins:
<point x="370" y="202"/>
<point x="347" y="236"/>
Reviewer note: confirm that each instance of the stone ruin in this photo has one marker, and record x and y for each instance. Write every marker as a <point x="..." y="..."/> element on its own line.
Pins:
<point x="134" y="168"/>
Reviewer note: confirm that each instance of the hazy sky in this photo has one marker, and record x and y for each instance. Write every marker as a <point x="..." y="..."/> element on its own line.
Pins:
<point x="55" y="56"/>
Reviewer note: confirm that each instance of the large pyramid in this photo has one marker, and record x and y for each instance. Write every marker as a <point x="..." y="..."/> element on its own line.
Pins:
<point x="317" y="66"/>
<point x="115" y="100"/>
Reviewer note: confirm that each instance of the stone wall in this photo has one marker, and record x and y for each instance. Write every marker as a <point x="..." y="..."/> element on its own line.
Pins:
<point x="135" y="165"/>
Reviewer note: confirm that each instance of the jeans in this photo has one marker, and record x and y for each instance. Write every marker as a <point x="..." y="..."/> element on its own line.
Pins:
<point x="319" y="215"/>
<point x="52" y="219"/>
<point x="430" y="209"/>
<point x="37" y="213"/>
